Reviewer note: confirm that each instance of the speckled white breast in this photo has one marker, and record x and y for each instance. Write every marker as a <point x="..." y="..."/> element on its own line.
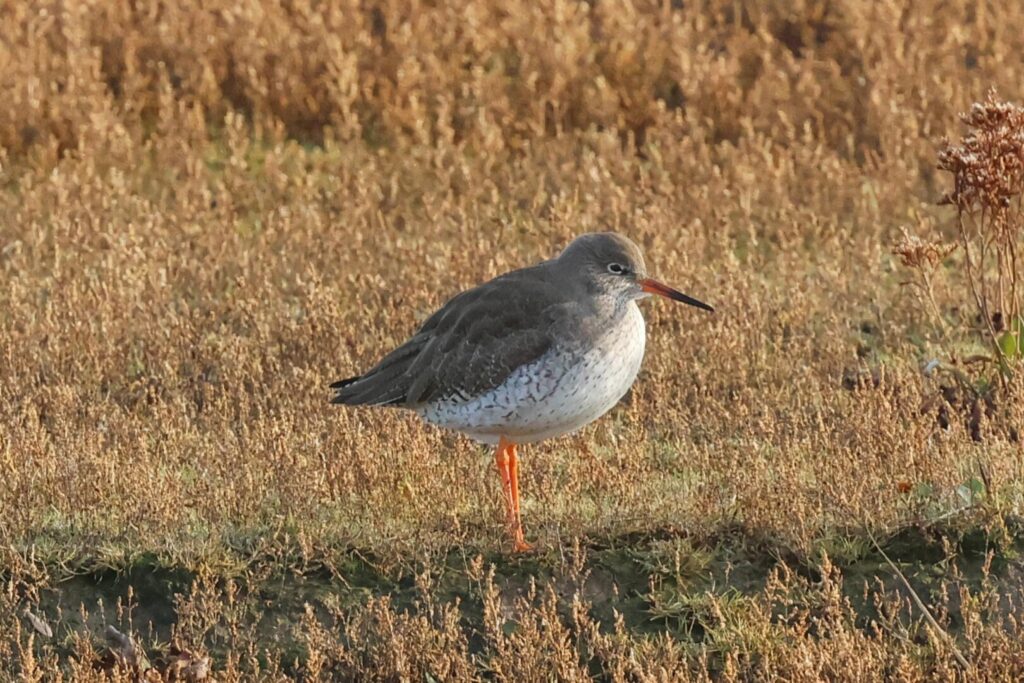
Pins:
<point x="560" y="392"/>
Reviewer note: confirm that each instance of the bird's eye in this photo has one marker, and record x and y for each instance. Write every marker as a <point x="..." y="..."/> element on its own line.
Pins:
<point x="616" y="268"/>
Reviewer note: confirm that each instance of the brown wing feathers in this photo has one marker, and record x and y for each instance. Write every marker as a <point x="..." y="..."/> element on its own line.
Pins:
<point x="382" y="385"/>
<point x="468" y="346"/>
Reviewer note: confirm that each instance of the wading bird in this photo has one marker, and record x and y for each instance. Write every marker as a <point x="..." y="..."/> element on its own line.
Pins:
<point x="530" y="355"/>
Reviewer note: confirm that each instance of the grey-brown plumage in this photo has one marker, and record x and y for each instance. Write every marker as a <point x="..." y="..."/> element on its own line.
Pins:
<point x="468" y="346"/>
<point x="475" y="341"/>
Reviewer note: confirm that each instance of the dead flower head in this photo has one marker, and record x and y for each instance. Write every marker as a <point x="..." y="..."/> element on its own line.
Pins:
<point x="915" y="252"/>
<point x="988" y="162"/>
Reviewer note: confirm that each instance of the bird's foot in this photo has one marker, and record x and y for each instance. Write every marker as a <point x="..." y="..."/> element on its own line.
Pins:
<point x="521" y="546"/>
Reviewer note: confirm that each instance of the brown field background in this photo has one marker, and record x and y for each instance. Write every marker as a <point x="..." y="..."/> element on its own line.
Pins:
<point x="211" y="210"/>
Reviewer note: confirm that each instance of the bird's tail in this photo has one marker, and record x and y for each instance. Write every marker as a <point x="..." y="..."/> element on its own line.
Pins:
<point x="375" y="388"/>
<point x="339" y="389"/>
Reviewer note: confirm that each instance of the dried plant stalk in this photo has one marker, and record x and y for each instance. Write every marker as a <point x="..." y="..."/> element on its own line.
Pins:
<point x="923" y="258"/>
<point x="987" y="165"/>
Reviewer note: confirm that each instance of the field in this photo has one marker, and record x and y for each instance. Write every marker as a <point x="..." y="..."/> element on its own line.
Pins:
<point x="209" y="211"/>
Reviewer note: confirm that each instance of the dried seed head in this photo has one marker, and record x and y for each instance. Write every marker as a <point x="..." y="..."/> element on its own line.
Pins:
<point x="917" y="253"/>
<point x="988" y="162"/>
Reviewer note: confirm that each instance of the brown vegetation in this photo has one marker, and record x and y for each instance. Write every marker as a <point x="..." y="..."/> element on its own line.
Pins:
<point x="209" y="210"/>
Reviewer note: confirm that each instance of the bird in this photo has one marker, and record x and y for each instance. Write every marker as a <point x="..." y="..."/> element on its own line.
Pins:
<point x="533" y="354"/>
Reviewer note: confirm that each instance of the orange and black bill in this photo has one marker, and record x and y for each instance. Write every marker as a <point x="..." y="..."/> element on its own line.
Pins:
<point x="654" y="287"/>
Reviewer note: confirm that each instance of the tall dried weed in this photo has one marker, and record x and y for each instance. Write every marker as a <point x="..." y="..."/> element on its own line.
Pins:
<point x="987" y="166"/>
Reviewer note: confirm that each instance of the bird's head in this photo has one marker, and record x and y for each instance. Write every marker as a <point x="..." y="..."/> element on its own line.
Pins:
<point x="613" y="264"/>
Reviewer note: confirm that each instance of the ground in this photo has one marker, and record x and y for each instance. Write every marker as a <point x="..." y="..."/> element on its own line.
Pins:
<point x="212" y="210"/>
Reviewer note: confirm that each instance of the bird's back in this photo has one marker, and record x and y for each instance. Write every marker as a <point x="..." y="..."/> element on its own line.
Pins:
<point x="472" y="343"/>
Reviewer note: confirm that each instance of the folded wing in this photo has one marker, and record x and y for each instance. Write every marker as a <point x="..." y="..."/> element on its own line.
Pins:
<point x="472" y="344"/>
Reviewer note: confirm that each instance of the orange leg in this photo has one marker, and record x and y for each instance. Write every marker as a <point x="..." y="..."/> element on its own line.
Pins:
<point x="501" y="460"/>
<point x="508" y="468"/>
<point x="513" y="475"/>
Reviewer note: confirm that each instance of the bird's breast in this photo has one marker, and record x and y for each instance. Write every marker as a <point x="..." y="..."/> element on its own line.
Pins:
<point x="571" y="385"/>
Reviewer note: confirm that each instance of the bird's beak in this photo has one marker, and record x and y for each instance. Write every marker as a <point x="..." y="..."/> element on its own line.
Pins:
<point x="654" y="287"/>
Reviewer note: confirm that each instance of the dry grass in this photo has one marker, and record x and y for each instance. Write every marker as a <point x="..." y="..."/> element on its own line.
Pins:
<point x="211" y="213"/>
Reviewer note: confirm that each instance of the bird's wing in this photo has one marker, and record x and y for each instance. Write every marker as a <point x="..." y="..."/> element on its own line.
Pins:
<point x="471" y="344"/>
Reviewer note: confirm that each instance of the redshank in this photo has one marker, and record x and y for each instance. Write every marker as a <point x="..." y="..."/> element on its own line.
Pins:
<point x="533" y="354"/>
